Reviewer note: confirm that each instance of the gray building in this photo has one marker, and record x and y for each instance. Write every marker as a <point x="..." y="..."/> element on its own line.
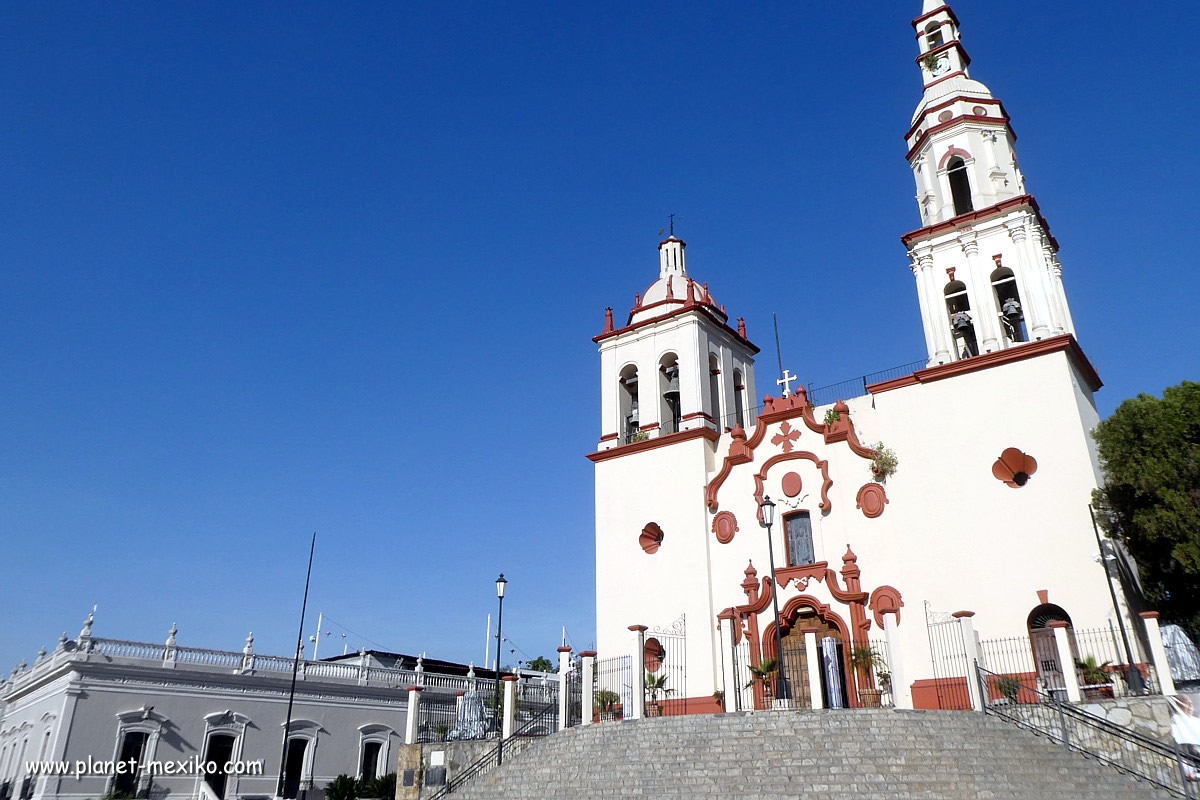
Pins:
<point x="121" y="718"/>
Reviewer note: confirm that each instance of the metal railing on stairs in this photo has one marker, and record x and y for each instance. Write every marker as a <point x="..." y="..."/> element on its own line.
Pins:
<point x="1017" y="700"/>
<point x="537" y="727"/>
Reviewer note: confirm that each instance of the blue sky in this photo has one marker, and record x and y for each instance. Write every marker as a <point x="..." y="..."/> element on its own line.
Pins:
<point x="274" y="268"/>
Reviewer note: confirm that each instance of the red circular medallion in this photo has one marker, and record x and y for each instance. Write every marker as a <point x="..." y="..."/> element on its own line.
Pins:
<point x="792" y="484"/>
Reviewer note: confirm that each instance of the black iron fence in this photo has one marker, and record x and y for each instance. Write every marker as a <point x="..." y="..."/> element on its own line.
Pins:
<point x="1020" y="701"/>
<point x="1098" y="657"/>
<point x="437" y="714"/>
<point x="612" y="690"/>
<point x="857" y="387"/>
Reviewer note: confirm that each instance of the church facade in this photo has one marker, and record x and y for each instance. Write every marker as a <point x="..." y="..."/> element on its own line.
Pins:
<point x="940" y="492"/>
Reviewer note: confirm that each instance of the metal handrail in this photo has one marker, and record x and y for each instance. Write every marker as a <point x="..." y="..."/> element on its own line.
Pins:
<point x="1045" y="714"/>
<point x="495" y="755"/>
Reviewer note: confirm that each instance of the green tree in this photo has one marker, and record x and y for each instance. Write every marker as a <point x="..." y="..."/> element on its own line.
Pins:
<point x="1150" y="501"/>
<point x="541" y="664"/>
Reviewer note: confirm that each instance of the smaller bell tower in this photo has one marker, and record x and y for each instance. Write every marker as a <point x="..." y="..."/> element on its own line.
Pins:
<point x="676" y="365"/>
<point x="985" y="264"/>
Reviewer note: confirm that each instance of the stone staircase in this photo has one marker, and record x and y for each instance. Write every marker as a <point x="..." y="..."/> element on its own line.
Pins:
<point x="823" y="755"/>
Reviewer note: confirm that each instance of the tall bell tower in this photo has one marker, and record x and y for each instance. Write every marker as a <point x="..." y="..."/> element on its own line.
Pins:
<point x="985" y="263"/>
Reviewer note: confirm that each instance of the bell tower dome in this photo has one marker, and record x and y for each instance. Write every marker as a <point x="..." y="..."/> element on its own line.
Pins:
<point x="986" y="266"/>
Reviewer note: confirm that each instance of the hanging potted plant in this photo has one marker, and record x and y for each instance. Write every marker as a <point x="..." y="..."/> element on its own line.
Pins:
<point x="607" y="705"/>
<point x="884" y="463"/>
<point x="655" y="685"/>
<point x="864" y="659"/>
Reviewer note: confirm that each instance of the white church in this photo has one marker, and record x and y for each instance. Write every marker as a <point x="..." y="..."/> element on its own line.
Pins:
<point x="981" y="517"/>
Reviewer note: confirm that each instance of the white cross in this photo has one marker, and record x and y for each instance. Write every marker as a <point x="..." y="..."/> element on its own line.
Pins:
<point x="786" y="382"/>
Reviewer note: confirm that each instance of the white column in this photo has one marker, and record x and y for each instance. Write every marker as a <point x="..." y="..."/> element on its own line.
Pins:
<point x="971" y="649"/>
<point x="414" y="705"/>
<point x="1037" y="308"/>
<point x="588" y="658"/>
<point x="510" y="706"/>
<point x="814" y="668"/>
<point x="1158" y="653"/>
<point x="936" y="309"/>
<point x="901" y="691"/>
<point x="637" y="670"/>
<point x="1066" y="660"/>
<point x="979" y="292"/>
<point x="923" y="303"/>
<point x="729" y="668"/>
<point x="564" y="698"/>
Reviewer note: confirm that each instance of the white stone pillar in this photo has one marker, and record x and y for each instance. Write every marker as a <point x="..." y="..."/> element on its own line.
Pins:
<point x="510" y="706"/>
<point x="923" y="303"/>
<point x="979" y="292"/>
<point x="1166" y="682"/>
<point x="588" y="665"/>
<point x="637" y="677"/>
<point x="942" y="338"/>
<point x="414" y="706"/>
<point x="817" y="700"/>
<point x="1037" y="310"/>
<point x="971" y="649"/>
<point x="901" y="691"/>
<point x="564" y="697"/>
<point x="1066" y="660"/>
<point x="729" y="667"/>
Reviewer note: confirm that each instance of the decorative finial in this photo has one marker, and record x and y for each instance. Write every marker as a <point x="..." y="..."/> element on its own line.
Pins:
<point x="741" y="327"/>
<point x="87" y="624"/>
<point x="171" y="635"/>
<point x="608" y="320"/>
<point x="249" y="648"/>
<point x="41" y="654"/>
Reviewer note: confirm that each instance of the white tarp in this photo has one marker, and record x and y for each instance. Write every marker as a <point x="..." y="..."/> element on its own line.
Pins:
<point x="1182" y="655"/>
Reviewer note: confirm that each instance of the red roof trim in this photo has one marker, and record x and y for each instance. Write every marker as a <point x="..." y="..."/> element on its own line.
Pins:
<point x="979" y="101"/>
<point x="949" y="12"/>
<point x="652" y="444"/>
<point x="941" y="126"/>
<point x="707" y="310"/>
<point x="971" y="217"/>
<point x="945" y="47"/>
<point x="1063" y="342"/>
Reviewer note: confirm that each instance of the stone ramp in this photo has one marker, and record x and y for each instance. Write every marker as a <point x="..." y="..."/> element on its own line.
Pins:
<point x="822" y="755"/>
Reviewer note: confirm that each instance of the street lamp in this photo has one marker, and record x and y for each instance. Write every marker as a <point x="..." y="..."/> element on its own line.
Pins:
<point x="1133" y="675"/>
<point x="501" y="583"/>
<point x="782" y="692"/>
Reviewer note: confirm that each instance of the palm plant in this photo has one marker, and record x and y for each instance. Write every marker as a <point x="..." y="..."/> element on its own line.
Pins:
<point x="1092" y="671"/>
<point x="765" y="670"/>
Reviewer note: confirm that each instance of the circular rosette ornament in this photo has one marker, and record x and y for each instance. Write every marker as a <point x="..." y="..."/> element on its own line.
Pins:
<point x="1014" y="468"/>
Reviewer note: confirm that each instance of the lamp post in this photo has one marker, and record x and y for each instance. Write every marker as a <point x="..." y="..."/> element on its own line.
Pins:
<point x="1133" y="675"/>
<point x="782" y="692"/>
<point x="501" y="583"/>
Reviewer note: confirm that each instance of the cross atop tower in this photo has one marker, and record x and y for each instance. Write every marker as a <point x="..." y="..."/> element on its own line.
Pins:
<point x="786" y="382"/>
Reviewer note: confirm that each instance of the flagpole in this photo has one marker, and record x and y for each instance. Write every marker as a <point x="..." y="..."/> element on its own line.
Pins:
<point x="295" y="668"/>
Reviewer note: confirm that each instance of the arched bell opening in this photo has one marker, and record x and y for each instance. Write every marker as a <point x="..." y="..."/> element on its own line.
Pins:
<point x="628" y="398"/>
<point x="933" y="35"/>
<point x="960" y="185"/>
<point x="1008" y="300"/>
<point x="668" y="380"/>
<point x="714" y="390"/>
<point x="739" y="399"/>
<point x="958" y="309"/>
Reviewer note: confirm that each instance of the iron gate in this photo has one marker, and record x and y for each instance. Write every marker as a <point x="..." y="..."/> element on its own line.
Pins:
<point x="950" y="662"/>
<point x="665" y="666"/>
<point x="612" y="688"/>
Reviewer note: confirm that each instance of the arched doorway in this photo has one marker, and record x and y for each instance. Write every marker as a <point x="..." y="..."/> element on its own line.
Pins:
<point x="1045" y="649"/>
<point x="798" y="617"/>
